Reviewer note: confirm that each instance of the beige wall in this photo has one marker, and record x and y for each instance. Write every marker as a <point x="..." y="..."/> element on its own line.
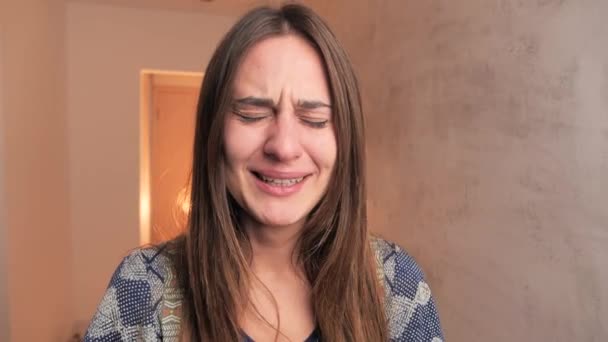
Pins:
<point x="106" y="49"/>
<point x="4" y="311"/>
<point x="488" y="156"/>
<point x="34" y="171"/>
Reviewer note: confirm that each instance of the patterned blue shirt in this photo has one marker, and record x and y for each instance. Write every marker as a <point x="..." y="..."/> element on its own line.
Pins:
<point x="142" y="301"/>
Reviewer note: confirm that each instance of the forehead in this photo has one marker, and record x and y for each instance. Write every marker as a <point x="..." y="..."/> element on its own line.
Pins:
<point x="282" y="62"/>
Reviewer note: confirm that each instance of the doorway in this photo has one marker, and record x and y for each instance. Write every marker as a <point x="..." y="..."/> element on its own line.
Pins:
<point x="168" y="111"/>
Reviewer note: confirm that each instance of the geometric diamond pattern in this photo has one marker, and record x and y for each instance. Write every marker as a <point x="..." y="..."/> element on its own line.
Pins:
<point x="144" y="303"/>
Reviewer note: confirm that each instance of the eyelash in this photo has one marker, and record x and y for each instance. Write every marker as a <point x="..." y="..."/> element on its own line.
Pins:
<point x="251" y="119"/>
<point x="248" y="118"/>
<point x="316" y="124"/>
<point x="245" y="118"/>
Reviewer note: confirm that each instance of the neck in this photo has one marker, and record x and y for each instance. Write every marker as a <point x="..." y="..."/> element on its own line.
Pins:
<point x="273" y="247"/>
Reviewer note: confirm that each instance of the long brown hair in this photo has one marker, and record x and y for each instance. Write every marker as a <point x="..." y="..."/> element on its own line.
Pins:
<point x="212" y="257"/>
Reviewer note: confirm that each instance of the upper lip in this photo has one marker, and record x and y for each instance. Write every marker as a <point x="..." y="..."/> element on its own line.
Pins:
<point x="281" y="174"/>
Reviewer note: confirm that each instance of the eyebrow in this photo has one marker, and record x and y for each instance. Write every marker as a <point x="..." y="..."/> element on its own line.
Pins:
<point x="255" y="101"/>
<point x="307" y="104"/>
<point x="269" y="103"/>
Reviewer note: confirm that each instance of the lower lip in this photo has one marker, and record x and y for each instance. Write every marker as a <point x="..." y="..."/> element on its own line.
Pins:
<point x="279" y="191"/>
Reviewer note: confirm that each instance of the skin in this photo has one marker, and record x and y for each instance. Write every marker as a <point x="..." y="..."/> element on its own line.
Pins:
<point x="280" y="127"/>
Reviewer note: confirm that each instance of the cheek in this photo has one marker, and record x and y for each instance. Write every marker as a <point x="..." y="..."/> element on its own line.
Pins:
<point x="324" y="151"/>
<point x="239" y="143"/>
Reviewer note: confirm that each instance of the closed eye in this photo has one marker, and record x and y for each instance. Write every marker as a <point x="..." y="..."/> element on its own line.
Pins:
<point x="315" y="123"/>
<point x="251" y="115"/>
<point x="315" y="118"/>
<point x="252" y="109"/>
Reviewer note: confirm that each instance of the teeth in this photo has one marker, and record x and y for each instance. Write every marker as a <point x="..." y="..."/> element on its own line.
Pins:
<point x="281" y="182"/>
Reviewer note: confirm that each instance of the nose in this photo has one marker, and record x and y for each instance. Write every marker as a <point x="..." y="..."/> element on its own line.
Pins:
<point x="283" y="142"/>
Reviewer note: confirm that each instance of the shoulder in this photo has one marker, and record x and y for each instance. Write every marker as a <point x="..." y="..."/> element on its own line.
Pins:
<point x="400" y="269"/>
<point x="144" y="269"/>
<point x="131" y="301"/>
<point x="410" y="307"/>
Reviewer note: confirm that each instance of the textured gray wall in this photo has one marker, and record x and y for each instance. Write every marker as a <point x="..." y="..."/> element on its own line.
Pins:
<point x="488" y="156"/>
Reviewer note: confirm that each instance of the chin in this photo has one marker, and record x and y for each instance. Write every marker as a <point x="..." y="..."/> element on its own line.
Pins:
<point x="280" y="220"/>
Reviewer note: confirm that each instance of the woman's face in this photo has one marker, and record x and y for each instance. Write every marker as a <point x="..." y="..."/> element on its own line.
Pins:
<point x="280" y="143"/>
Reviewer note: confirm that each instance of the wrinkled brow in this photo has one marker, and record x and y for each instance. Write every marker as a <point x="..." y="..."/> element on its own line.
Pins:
<point x="269" y="103"/>
<point x="255" y="101"/>
<point x="309" y="104"/>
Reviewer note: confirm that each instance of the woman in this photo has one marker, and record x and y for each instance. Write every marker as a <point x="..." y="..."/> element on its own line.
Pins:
<point x="277" y="247"/>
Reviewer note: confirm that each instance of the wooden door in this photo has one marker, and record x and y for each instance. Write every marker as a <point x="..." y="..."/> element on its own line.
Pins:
<point x="171" y="139"/>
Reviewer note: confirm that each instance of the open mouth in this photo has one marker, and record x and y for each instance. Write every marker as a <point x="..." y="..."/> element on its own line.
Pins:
<point x="279" y="182"/>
